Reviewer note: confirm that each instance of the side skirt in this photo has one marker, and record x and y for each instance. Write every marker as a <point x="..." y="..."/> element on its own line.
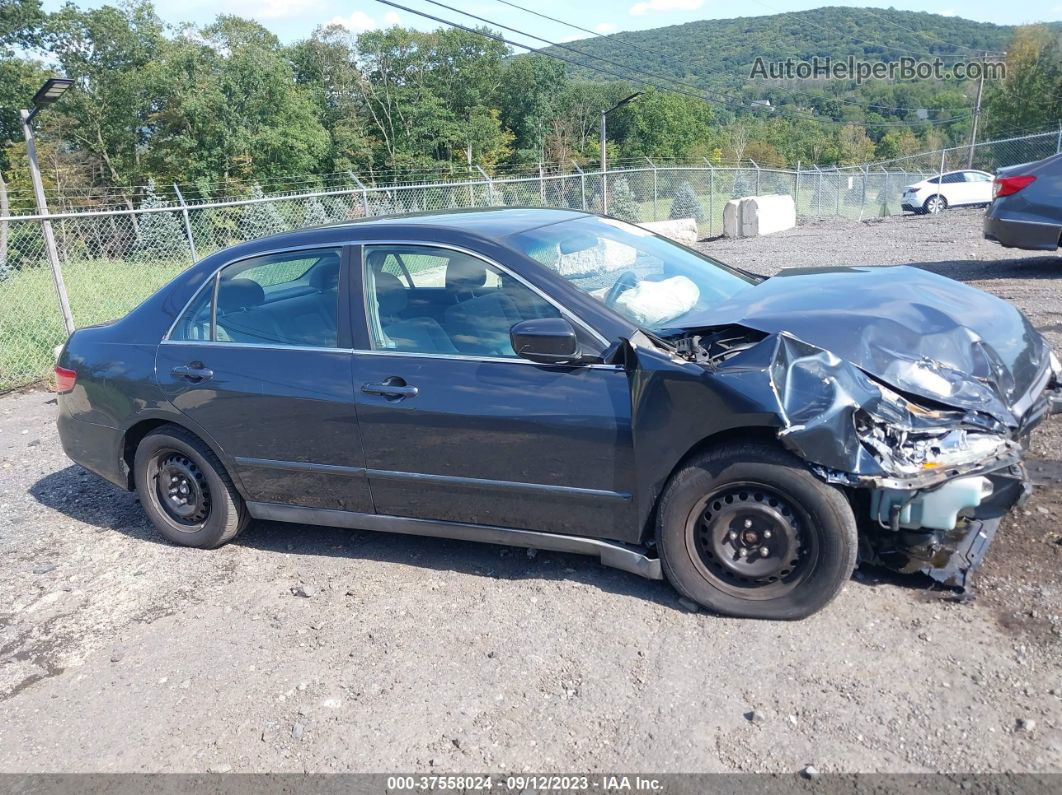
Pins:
<point x="610" y="554"/>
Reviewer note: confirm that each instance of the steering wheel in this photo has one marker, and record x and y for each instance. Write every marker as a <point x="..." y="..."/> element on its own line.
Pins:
<point x="626" y="281"/>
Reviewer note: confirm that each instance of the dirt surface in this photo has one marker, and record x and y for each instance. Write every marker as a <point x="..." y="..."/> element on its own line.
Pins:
<point x="119" y="652"/>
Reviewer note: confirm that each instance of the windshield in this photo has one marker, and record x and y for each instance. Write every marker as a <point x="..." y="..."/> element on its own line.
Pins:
<point x="651" y="281"/>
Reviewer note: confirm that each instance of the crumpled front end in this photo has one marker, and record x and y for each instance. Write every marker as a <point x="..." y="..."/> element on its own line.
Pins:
<point x="929" y="480"/>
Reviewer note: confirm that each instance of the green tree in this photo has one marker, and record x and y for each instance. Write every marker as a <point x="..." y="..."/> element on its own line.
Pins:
<point x="622" y="203"/>
<point x="260" y="218"/>
<point x="159" y="234"/>
<point x="315" y="214"/>
<point x="1031" y="95"/>
<point x="667" y="125"/>
<point x="529" y="92"/>
<point x="686" y="204"/>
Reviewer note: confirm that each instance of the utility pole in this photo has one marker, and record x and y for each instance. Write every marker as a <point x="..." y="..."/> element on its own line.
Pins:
<point x="604" y="154"/>
<point x="977" y="111"/>
<point x="48" y="93"/>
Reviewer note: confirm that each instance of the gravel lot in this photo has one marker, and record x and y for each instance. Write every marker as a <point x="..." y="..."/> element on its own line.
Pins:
<point x="119" y="652"/>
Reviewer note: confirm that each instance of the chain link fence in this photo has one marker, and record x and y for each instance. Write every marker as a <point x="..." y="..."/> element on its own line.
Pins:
<point x="111" y="260"/>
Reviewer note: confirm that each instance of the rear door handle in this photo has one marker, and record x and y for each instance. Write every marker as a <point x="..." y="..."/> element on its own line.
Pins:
<point x="192" y="372"/>
<point x="394" y="390"/>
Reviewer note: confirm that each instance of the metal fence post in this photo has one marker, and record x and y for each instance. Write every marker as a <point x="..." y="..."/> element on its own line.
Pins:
<point x="757" y="167"/>
<point x="490" y="185"/>
<point x="652" y="165"/>
<point x="818" y="191"/>
<point x="837" y="211"/>
<point x="46" y="224"/>
<point x="885" y="189"/>
<point x="187" y="222"/>
<point x="582" y="183"/>
<point x="541" y="185"/>
<point x="364" y="193"/>
<point x="864" y="174"/>
<point x="1058" y="145"/>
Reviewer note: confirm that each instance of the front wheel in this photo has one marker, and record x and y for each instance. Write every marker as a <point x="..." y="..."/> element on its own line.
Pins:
<point x="747" y="530"/>
<point x="186" y="491"/>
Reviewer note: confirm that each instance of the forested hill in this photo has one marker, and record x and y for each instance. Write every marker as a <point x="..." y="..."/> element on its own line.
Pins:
<point x="718" y="54"/>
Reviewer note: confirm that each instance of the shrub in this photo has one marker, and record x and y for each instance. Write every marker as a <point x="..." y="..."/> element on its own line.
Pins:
<point x="260" y="218"/>
<point x="686" y="204"/>
<point x="621" y="201"/>
<point x="315" y="214"/>
<point x="159" y="235"/>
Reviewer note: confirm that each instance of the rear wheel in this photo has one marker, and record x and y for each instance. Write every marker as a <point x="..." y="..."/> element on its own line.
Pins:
<point x="747" y="530"/>
<point x="186" y="491"/>
<point x="935" y="204"/>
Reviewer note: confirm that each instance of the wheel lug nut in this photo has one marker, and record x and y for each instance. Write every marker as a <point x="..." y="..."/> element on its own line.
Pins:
<point x="742" y="552"/>
<point x="766" y="533"/>
<point x="733" y="535"/>
<point x="748" y="523"/>
<point x="764" y="551"/>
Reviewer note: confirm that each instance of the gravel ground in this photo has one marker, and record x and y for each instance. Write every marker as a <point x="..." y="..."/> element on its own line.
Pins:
<point x="119" y="652"/>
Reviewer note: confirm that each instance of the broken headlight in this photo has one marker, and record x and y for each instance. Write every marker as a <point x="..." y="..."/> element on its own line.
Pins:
<point x="910" y="439"/>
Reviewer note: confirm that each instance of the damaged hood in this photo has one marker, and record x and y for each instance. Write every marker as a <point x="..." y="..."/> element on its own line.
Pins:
<point x="921" y="333"/>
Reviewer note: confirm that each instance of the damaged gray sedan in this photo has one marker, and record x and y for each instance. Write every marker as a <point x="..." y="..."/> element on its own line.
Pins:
<point x="565" y="381"/>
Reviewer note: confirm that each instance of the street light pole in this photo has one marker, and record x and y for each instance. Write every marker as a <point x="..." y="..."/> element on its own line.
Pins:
<point x="50" y="92"/>
<point x="604" y="149"/>
<point x="46" y="224"/>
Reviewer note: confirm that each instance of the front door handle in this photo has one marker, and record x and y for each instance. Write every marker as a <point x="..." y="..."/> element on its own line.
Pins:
<point x="194" y="372"/>
<point x="393" y="387"/>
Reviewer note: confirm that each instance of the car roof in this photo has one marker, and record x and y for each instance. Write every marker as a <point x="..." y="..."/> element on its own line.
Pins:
<point x="488" y="224"/>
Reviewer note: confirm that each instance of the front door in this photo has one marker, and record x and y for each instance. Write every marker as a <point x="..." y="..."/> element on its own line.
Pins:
<point x="261" y="361"/>
<point x="458" y="428"/>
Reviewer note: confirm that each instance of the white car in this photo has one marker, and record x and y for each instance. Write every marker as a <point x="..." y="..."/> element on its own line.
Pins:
<point x="951" y="189"/>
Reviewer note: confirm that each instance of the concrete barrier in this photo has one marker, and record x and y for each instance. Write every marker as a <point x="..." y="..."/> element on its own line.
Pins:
<point x="681" y="230"/>
<point x="758" y="215"/>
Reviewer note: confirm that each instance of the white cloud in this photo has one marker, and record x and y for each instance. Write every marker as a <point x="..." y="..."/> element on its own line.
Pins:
<point x="605" y="27"/>
<point x="662" y="6"/>
<point x="951" y="12"/>
<point x="262" y="9"/>
<point x="359" y="21"/>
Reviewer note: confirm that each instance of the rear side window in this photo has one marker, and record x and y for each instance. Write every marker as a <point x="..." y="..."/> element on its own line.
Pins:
<point x="289" y="299"/>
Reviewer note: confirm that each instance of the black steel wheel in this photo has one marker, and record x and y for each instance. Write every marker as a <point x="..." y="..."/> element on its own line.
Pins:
<point x="747" y="530"/>
<point x="181" y="488"/>
<point x="185" y="489"/>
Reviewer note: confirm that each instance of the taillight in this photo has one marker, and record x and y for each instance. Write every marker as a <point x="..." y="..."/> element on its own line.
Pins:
<point x="1005" y="186"/>
<point x="64" y="380"/>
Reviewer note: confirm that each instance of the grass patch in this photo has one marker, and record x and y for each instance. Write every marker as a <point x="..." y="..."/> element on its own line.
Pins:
<point x="31" y="324"/>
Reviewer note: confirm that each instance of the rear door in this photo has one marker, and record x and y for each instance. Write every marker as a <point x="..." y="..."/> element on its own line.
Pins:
<point x="261" y="361"/>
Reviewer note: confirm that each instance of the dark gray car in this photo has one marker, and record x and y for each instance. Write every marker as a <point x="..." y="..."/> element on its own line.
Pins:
<point x="1026" y="208"/>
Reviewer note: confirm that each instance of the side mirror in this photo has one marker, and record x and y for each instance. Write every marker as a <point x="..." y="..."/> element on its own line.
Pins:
<point x="546" y="340"/>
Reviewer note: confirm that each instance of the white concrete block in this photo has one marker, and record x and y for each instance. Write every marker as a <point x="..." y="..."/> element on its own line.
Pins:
<point x="758" y="215"/>
<point x="681" y="230"/>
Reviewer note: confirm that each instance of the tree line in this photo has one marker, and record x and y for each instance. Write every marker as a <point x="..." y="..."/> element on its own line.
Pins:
<point x="227" y="106"/>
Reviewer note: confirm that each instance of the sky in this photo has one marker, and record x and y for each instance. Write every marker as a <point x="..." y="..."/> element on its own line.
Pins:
<point x="292" y="20"/>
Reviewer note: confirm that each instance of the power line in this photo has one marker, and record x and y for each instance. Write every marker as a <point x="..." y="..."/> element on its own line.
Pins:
<point x="719" y="98"/>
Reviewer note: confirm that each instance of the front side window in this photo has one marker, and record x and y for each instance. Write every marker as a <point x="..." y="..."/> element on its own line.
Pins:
<point x="653" y="282"/>
<point x="421" y="299"/>
<point x="279" y="299"/>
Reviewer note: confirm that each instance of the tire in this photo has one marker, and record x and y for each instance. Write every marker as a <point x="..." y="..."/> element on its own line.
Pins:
<point x="769" y="500"/>
<point x="212" y="512"/>
<point x="935" y="204"/>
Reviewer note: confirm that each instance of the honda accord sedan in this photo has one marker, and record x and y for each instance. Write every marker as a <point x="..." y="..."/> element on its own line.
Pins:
<point x="566" y="381"/>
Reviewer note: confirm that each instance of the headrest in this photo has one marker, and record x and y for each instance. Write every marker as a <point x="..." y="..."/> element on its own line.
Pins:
<point x="465" y="273"/>
<point x="390" y="293"/>
<point x="325" y="274"/>
<point x="237" y="294"/>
